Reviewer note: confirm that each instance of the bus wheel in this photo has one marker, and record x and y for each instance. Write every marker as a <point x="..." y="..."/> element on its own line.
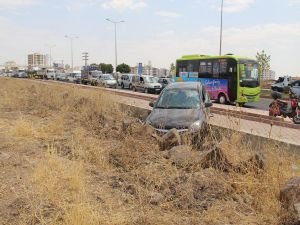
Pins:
<point x="222" y="99"/>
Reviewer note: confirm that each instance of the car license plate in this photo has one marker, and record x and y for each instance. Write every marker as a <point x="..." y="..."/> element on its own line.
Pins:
<point x="157" y="89"/>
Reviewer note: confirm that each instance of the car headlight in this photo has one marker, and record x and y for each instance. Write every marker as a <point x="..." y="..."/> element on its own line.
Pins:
<point x="196" y="126"/>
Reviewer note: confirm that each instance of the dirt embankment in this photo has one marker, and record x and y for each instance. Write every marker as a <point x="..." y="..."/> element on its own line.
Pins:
<point x="67" y="158"/>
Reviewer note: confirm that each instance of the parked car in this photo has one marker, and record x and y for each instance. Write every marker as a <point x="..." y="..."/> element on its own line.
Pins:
<point x="146" y="84"/>
<point x="295" y="83"/>
<point x="126" y="81"/>
<point x="165" y="81"/>
<point x="61" y="76"/>
<point x="107" y="80"/>
<point x="184" y="106"/>
<point x="296" y="91"/>
<point x="74" y="77"/>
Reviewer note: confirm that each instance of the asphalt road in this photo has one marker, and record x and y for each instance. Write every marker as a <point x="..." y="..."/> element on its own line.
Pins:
<point x="262" y="104"/>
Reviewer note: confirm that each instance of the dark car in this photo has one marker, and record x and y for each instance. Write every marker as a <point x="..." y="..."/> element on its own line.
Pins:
<point x="184" y="106"/>
<point x="296" y="91"/>
<point x="295" y="83"/>
<point x="165" y="81"/>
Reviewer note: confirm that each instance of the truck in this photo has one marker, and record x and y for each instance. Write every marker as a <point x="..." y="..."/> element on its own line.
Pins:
<point x="281" y="84"/>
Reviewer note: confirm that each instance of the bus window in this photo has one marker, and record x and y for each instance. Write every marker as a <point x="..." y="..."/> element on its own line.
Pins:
<point x="190" y="67"/>
<point x="205" y="69"/>
<point x="216" y="68"/>
<point x="182" y="67"/>
<point x="223" y="67"/>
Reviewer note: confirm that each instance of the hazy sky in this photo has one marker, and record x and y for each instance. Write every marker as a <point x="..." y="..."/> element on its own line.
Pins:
<point x="156" y="30"/>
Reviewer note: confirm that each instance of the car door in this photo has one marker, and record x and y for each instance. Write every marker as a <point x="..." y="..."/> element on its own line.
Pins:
<point x="126" y="85"/>
<point x="141" y="84"/>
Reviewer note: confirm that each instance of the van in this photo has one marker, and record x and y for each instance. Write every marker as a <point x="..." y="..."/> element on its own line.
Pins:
<point x="146" y="84"/>
<point x="126" y="81"/>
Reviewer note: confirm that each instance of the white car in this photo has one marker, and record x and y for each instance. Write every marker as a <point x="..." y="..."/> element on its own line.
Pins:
<point x="74" y="77"/>
<point x="61" y="76"/>
<point x="107" y="80"/>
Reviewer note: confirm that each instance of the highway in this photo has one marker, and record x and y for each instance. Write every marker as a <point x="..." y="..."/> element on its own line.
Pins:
<point x="247" y="120"/>
<point x="263" y="104"/>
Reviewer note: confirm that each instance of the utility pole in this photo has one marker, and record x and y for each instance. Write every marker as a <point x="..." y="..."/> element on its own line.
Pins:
<point x="221" y="30"/>
<point x="116" y="47"/>
<point x="85" y="56"/>
<point x="50" y="55"/>
<point x="71" y="38"/>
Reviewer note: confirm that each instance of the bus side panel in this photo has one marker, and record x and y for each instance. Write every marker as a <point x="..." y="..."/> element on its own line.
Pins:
<point x="213" y="86"/>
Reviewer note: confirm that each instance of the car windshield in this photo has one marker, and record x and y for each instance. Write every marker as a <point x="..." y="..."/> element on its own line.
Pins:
<point x="249" y="73"/>
<point x="108" y="77"/>
<point x="149" y="79"/>
<point x="179" y="99"/>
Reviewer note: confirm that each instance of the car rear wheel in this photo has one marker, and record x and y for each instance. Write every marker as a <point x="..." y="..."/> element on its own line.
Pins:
<point x="222" y="99"/>
<point x="130" y="87"/>
<point x="134" y="89"/>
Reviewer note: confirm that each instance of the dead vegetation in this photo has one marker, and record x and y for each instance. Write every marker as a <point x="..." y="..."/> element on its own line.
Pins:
<point x="67" y="156"/>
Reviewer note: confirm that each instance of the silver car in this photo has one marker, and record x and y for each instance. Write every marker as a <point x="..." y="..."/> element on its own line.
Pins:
<point x="146" y="84"/>
<point x="126" y="81"/>
<point x="107" y="80"/>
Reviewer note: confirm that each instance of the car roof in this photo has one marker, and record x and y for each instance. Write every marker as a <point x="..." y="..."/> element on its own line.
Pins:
<point x="185" y="85"/>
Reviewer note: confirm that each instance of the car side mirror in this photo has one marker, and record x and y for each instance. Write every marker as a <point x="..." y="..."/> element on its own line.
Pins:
<point x="151" y="104"/>
<point x="208" y="104"/>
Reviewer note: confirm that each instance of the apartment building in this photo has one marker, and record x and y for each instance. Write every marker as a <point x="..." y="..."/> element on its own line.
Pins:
<point x="37" y="59"/>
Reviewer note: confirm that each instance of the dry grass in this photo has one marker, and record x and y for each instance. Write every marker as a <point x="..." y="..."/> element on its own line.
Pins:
<point x="88" y="170"/>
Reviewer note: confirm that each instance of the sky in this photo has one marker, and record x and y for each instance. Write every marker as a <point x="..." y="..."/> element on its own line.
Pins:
<point x="159" y="31"/>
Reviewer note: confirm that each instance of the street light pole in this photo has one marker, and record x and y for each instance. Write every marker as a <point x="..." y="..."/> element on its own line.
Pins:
<point x="116" y="47"/>
<point x="71" y="41"/>
<point x="221" y="30"/>
<point x="50" y="55"/>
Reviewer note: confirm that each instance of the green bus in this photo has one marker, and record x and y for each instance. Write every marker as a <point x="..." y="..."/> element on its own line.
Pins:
<point x="228" y="78"/>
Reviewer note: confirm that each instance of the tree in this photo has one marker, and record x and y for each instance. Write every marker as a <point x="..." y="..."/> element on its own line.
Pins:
<point x="106" y="68"/>
<point x="172" y="69"/>
<point x="264" y="61"/>
<point x="109" y="68"/>
<point x="67" y="67"/>
<point x="123" y="68"/>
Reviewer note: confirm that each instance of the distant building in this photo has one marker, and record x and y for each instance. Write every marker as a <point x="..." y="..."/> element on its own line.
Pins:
<point x="269" y="75"/>
<point x="149" y="70"/>
<point x="38" y="60"/>
<point x="164" y="72"/>
<point x="10" y="64"/>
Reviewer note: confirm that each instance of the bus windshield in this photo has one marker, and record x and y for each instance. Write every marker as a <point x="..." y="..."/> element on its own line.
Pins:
<point x="249" y="76"/>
